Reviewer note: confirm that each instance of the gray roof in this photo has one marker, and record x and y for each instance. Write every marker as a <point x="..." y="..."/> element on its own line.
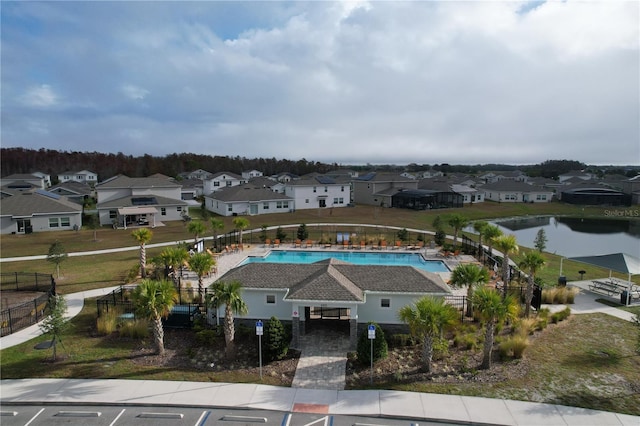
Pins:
<point x="384" y="177"/>
<point x="71" y="187"/>
<point x="28" y="204"/>
<point x="247" y="192"/>
<point x="230" y="174"/>
<point x="334" y="281"/>
<point x="128" y="202"/>
<point x="122" y="181"/>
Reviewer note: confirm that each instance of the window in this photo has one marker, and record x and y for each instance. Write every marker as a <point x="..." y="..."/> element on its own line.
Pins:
<point x="342" y="189"/>
<point x="265" y="206"/>
<point x="163" y="211"/>
<point x="229" y="183"/>
<point x="306" y="201"/>
<point x="326" y="189"/>
<point x="385" y="303"/>
<point x="64" y="221"/>
<point x="314" y="189"/>
<point x="179" y="208"/>
<point x="230" y="208"/>
<point x="113" y="214"/>
<point x="216" y="183"/>
<point x="53" y="222"/>
<point x="282" y="204"/>
<point x="271" y="299"/>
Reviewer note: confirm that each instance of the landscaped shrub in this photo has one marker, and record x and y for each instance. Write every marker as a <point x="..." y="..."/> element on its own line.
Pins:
<point x="571" y="294"/>
<point x="402" y="339"/>
<point x="561" y="315"/>
<point x="524" y="326"/>
<point x="133" y="273"/>
<point x="276" y="341"/>
<point x="543" y="319"/>
<point x="380" y="348"/>
<point x="206" y="337"/>
<point x="559" y="295"/>
<point x="107" y="323"/>
<point x="440" y="348"/>
<point x="513" y="346"/>
<point x="134" y="329"/>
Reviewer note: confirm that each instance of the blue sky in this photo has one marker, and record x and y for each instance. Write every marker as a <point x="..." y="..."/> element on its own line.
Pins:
<point x="347" y="82"/>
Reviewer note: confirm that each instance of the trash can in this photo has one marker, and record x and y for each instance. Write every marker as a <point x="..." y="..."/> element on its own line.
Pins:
<point x="562" y="281"/>
<point x="624" y="298"/>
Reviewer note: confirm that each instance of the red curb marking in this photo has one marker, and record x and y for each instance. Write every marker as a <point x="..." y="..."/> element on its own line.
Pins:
<point x="311" y="408"/>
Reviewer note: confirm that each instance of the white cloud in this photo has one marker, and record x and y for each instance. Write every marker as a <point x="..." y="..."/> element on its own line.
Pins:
<point x="134" y="92"/>
<point x="41" y="96"/>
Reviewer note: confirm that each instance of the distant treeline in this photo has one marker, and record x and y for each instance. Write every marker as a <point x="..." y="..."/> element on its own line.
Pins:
<point x="53" y="162"/>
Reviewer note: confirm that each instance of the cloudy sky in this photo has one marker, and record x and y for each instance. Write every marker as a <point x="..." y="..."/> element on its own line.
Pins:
<point x="348" y="82"/>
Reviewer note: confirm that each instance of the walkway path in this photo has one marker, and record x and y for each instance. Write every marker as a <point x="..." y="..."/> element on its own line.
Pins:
<point x="323" y="360"/>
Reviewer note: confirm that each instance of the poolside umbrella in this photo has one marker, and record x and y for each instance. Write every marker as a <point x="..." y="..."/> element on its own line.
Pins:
<point x="619" y="262"/>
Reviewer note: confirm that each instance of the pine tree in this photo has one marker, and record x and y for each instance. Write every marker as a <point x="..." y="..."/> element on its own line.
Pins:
<point x="276" y="340"/>
<point x="540" y="241"/>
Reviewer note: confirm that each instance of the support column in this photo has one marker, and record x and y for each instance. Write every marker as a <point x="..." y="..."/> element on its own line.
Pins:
<point x="353" y="334"/>
<point x="295" y="332"/>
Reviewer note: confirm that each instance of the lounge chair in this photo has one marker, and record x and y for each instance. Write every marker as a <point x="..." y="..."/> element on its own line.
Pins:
<point x="383" y="245"/>
<point x="267" y="242"/>
<point x="276" y="243"/>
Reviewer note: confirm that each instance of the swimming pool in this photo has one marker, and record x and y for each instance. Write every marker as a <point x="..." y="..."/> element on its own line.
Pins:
<point x="358" y="258"/>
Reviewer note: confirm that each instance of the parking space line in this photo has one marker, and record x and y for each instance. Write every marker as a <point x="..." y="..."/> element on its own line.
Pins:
<point x="117" y="417"/>
<point x="34" y="417"/>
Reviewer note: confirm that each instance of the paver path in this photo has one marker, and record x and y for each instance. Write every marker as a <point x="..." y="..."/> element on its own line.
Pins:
<point x="323" y="360"/>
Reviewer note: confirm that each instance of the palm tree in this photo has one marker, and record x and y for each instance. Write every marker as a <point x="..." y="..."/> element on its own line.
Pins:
<point x="174" y="257"/>
<point x="197" y="228"/>
<point x="457" y="222"/>
<point x="216" y="225"/>
<point x="228" y="294"/>
<point x="201" y="264"/>
<point x="142" y="236"/>
<point x="472" y="276"/>
<point x="493" y="310"/>
<point x="490" y="232"/>
<point x="507" y="244"/>
<point x="532" y="261"/>
<point x="240" y="223"/>
<point x="153" y="300"/>
<point x="479" y="226"/>
<point x="428" y="318"/>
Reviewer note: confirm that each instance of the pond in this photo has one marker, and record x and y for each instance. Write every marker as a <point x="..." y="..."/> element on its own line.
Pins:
<point x="576" y="236"/>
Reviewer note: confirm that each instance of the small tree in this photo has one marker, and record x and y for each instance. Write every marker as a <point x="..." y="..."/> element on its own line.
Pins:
<point x="532" y="262"/>
<point x="540" y="242"/>
<point x="493" y="310"/>
<point x="479" y="226"/>
<point x="142" y="236"/>
<point x="303" y="234"/>
<point x="240" y="223"/>
<point x="472" y="276"/>
<point x="230" y="295"/>
<point x="93" y="222"/>
<point x="276" y="345"/>
<point x="403" y="235"/>
<point x="440" y="236"/>
<point x="280" y="234"/>
<point x="216" y="225"/>
<point x="457" y="222"/>
<point x="380" y="347"/>
<point x="56" y="323"/>
<point x="57" y="255"/>
<point x="201" y="264"/>
<point x="153" y="300"/>
<point x="197" y="228"/>
<point x="263" y="233"/>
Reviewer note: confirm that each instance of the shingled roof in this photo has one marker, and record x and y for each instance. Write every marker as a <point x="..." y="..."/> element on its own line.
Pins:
<point x="335" y="281"/>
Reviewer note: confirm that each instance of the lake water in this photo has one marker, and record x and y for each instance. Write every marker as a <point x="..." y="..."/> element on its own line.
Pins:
<point x="572" y="237"/>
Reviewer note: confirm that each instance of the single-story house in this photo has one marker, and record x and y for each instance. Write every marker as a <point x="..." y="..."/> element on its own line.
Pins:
<point x="38" y="211"/>
<point x="81" y="176"/>
<point x="510" y="191"/>
<point x="300" y="293"/>
<point x="123" y="200"/>
<point x="247" y="199"/>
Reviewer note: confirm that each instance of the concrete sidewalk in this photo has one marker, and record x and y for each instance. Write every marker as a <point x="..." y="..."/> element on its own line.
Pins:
<point x="382" y="403"/>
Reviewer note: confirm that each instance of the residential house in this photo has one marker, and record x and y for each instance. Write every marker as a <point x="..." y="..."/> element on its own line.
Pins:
<point x="222" y="180"/>
<point x="247" y="199"/>
<point x="125" y="201"/>
<point x="191" y="189"/>
<point x="299" y="293"/>
<point x="631" y="187"/>
<point x="269" y="183"/>
<point x="77" y="192"/>
<point x="578" y="174"/>
<point x="493" y="177"/>
<point x="511" y="191"/>
<point x="250" y="174"/>
<point x="81" y="176"/>
<point x="318" y="191"/>
<point x="23" y="182"/>
<point x="377" y="189"/>
<point x="470" y="195"/>
<point x="38" y="211"/>
<point x="196" y="174"/>
<point x="593" y="193"/>
<point x="46" y="177"/>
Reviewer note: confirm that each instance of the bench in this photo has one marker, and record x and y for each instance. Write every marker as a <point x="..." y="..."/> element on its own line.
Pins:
<point x="609" y="287"/>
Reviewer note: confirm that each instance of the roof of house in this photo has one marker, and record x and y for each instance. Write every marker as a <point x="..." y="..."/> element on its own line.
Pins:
<point x="512" y="185"/>
<point x="71" y="187"/>
<point x="335" y="281"/>
<point x="383" y="177"/>
<point x="265" y="182"/>
<point x="313" y="180"/>
<point x="246" y="192"/>
<point x="138" y="200"/>
<point x="122" y="181"/>
<point x="38" y="202"/>
<point x="231" y="175"/>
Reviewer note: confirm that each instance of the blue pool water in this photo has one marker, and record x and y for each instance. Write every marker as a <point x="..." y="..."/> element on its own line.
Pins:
<point x="391" y="259"/>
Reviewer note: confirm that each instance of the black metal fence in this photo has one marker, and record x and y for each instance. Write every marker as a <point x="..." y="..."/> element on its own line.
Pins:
<point x="15" y="318"/>
<point x="25" y="281"/>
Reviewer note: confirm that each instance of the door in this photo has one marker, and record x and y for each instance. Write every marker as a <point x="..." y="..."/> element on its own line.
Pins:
<point x="253" y="209"/>
<point x="322" y="202"/>
<point x="23" y="225"/>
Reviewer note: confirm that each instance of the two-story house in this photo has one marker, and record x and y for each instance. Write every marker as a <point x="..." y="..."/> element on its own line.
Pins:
<point x="84" y="176"/>
<point x="222" y="180"/>
<point x="318" y="191"/>
<point x="378" y="189"/>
